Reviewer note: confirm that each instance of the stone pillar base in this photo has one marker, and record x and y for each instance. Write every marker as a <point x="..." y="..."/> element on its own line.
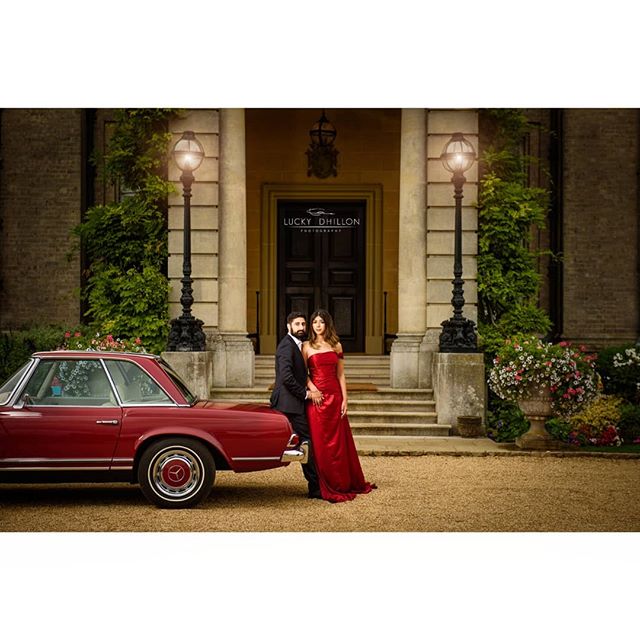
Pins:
<point x="405" y="361"/>
<point x="194" y="367"/>
<point x="459" y="387"/>
<point x="234" y="361"/>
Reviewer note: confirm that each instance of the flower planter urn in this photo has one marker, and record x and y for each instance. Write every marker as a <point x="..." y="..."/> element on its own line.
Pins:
<point x="537" y="408"/>
<point x="470" y="426"/>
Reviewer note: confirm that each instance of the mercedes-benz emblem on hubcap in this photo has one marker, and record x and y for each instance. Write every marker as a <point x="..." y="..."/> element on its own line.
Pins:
<point x="176" y="473"/>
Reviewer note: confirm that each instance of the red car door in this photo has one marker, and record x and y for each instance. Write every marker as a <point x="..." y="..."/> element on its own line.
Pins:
<point x="69" y="419"/>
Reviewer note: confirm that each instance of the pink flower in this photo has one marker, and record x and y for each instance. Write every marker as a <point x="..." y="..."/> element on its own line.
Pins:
<point x="67" y="334"/>
<point x="138" y="341"/>
<point x="77" y="334"/>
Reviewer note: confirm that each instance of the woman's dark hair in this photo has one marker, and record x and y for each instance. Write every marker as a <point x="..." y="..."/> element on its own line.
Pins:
<point x="330" y="334"/>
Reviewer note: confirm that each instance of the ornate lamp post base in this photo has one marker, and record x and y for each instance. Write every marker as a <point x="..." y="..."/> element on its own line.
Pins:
<point x="186" y="334"/>
<point x="458" y="336"/>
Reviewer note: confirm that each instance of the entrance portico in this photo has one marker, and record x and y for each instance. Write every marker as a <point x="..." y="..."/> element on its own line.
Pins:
<point x="389" y="160"/>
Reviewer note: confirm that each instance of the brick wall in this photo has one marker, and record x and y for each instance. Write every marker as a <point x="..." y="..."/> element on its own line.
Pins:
<point x="601" y="225"/>
<point x="40" y="201"/>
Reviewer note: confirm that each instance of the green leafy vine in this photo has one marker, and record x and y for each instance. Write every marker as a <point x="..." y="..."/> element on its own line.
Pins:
<point x="126" y="241"/>
<point x="508" y="279"/>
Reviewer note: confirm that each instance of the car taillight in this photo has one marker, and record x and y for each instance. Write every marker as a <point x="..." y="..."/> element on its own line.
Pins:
<point x="294" y="440"/>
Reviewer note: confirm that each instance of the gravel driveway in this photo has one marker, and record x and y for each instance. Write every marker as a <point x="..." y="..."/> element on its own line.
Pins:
<point x="416" y="493"/>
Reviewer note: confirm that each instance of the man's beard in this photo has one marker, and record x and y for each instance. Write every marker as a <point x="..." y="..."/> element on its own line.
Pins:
<point x="301" y="335"/>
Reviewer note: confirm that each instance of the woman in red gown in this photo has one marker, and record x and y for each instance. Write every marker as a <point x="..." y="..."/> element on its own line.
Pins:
<point x="339" y="470"/>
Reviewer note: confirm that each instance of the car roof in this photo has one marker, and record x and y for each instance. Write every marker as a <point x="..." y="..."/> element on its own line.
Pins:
<point x="120" y="355"/>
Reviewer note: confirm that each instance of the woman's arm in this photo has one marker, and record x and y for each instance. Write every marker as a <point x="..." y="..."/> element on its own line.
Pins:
<point x="314" y="393"/>
<point x="342" y="379"/>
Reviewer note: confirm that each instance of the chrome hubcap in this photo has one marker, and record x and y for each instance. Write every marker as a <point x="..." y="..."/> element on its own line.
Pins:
<point x="176" y="473"/>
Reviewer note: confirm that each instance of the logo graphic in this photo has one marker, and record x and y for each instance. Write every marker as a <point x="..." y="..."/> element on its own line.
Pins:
<point x="319" y="211"/>
<point x="176" y="474"/>
<point x="320" y="220"/>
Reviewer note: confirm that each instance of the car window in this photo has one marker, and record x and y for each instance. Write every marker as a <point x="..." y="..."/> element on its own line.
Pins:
<point x="9" y="385"/>
<point x="134" y="385"/>
<point x="70" y="382"/>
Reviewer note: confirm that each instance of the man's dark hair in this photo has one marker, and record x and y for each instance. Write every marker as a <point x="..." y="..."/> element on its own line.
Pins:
<point x="295" y="314"/>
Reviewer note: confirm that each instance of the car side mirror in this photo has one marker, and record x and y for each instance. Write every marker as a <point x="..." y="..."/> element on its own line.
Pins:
<point x="25" y="399"/>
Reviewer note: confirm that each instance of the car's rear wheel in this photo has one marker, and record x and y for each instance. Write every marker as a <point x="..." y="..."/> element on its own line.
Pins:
<point x="176" y="473"/>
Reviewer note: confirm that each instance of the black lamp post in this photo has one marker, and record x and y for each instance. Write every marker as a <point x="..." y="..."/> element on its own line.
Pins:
<point x="458" y="333"/>
<point x="186" y="332"/>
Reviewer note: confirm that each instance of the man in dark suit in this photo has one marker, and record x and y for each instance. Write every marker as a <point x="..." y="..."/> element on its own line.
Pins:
<point x="290" y="390"/>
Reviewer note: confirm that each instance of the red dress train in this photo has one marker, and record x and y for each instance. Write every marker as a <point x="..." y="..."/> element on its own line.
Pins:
<point x="339" y="470"/>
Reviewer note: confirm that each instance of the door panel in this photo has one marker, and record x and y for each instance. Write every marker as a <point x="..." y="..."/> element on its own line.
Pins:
<point x="321" y="263"/>
<point x="69" y="419"/>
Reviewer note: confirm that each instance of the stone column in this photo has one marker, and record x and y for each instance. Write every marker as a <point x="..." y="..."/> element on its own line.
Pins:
<point x="234" y="358"/>
<point x="412" y="258"/>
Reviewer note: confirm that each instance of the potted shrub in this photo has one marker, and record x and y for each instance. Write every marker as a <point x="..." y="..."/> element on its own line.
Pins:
<point x="544" y="379"/>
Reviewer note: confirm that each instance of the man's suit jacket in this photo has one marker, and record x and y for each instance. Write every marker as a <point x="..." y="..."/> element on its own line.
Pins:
<point x="291" y="378"/>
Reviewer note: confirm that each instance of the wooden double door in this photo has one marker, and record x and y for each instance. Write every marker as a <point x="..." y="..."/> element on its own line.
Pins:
<point x="321" y="263"/>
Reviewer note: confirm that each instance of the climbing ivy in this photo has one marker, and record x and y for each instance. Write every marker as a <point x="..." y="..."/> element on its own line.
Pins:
<point x="126" y="241"/>
<point x="508" y="279"/>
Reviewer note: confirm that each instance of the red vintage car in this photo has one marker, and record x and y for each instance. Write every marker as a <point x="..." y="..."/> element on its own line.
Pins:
<point x="108" y="417"/>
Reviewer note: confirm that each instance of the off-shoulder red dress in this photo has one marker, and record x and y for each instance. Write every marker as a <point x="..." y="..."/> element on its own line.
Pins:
<point x="339" y="470"/>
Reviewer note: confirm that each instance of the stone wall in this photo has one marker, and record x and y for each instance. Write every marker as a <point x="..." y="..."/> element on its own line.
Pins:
<point x="40" y="202"/>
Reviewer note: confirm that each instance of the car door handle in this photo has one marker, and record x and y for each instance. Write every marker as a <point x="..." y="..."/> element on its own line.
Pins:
<point x="107" y="421"/>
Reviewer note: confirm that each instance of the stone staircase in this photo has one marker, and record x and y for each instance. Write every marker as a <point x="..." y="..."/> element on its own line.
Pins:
<point x="381" y="418"/>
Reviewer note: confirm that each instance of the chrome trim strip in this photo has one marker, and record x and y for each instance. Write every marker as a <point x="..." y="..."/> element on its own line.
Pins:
<point x="148" y="404"/>
<point x="73" y="406"/>
<point x="111" y="382"/>
<point x="54" y="468"/>
<point x="258" y="458"/>
<point x="123" y="460"/>
<point x="55" y="460"/>
<point x="21" y="383"/>
<point x="121" y="468"/>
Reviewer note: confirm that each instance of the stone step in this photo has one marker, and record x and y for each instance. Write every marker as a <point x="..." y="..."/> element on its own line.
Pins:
<point x="383" y="394"/>
<point x="265" y="383"/>
<point x="355" y="357"/>
<point x="349" y="370"/>
<point x="390" y="406"/>
<point x="393" y="429"/>
<point x="387" y="393"/>
<point x="397" y="417"/>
